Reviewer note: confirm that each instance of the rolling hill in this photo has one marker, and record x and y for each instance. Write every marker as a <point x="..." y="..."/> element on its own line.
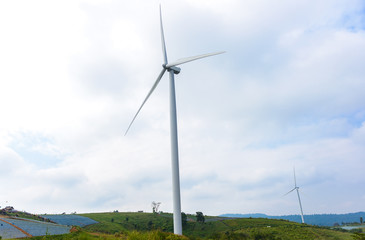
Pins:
<point x="213" y="228"/>
<point x="315" y="219"/>
<point x="137" y="225"/>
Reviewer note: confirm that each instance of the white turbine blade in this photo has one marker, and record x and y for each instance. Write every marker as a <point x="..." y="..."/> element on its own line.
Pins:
<point x="295" y="179"/>
<point x="148" y="95"/>
<point x="300" y="204"/>
<point x="289" y="192"/>
<point x="163" y="40"/>
<point x="189" y="59"/>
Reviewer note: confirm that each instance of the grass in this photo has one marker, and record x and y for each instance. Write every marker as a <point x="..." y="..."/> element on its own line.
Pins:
<point x="135" y="226"/>
<point x="133" y="235"/>
<point x="259" y="228"/>
<point x="118" y="222"/>
<point x="215" y="228"/>
<point x="24" y="215"/>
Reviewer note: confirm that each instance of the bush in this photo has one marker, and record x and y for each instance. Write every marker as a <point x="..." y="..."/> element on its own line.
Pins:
<point x="257" y="235"/>
<point x="356" y="230"/>
<point x="358" y="236"/>
<point x="154" y="235"/>
<point x="230" y="236"/>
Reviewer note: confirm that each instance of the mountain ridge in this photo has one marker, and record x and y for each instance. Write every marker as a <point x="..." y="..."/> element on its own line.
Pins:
<point x="314" y="219"/>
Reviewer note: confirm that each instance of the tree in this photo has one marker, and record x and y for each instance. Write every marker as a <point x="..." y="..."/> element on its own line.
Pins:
<point x="361" y="220"/>
<point x="155" y="206"/>
<point x="184" y="219"/>
<point x="200" y="217"/>
<point x="150" y="225"/>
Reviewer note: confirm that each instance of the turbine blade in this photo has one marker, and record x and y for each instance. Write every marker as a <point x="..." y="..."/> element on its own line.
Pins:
<point x="289" y="192"/>
<point x="295" y="179"/>
<point x="300" y="204"/>
<point x="163" y="40"/>
<point x="148" y="95"/>
<point x="189" y="59"/>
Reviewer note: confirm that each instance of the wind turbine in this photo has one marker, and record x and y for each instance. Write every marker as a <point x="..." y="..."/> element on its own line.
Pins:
<point x="172" y="69"/>
<point x="297" y="188"/>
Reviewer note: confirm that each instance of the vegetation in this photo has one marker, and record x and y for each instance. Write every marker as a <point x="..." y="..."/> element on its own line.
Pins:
<point x="212" y="228"/>
<point x="314" y="219"/>
<point x="117" y="222"/>
<point x="184" y="219"/>
<point x="152" y="226"/>
<point x="200" y="217"/>
<point x="24" y="215"/>
<point x="359" y="236"/>
<point x="82" y="235"/>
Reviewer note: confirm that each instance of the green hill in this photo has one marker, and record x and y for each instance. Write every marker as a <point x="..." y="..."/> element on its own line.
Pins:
<point x="135" y="226"/>
<point x="313" y="219"/>
<point x="213" y="228"/>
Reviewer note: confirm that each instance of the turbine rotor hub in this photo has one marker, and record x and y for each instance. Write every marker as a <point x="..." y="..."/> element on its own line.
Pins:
<point x="175" y="70"/>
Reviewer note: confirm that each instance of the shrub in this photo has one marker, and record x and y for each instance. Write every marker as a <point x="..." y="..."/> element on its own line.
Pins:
<point x="257" y="235"/>
<point x="358" y="236"/>
<point x="230" y="236"/>
<point x="356" y="230"/>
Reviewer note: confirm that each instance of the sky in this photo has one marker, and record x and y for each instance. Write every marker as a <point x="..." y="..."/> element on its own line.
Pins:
<point x="288" y="92"/>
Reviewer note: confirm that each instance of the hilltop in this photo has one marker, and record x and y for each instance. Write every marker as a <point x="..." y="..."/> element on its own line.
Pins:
<point x="11" y="212"/>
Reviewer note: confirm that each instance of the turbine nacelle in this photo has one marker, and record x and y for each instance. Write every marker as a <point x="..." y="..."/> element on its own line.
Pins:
<point x="175" y="70"/>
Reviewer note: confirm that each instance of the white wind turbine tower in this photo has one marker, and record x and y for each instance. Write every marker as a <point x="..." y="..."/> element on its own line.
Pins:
<point x="297" y="188"/>
<point x="172" y="69"/>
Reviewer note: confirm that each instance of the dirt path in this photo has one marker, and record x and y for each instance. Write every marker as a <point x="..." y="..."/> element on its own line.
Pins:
<point x="29" y="235"/>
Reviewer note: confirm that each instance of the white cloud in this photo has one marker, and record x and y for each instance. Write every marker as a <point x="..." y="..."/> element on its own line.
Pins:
<point x="287" y="92"/>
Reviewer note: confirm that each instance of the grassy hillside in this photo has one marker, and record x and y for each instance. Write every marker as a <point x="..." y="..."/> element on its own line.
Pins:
<point x="129" y="221"/>
<point x="132" y="225"/>
<point x="214" y="228"/>
<point x="24" y="215"/>
<point x="82" y="235"/>
<point x="314" y="219"/>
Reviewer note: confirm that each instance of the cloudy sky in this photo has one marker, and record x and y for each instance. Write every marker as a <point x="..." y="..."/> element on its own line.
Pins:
<point x="289" y="91"/>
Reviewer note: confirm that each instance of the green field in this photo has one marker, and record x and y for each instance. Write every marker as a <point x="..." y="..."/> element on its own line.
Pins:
<point x="214" y="228"/>
<point x="115" y="225"/>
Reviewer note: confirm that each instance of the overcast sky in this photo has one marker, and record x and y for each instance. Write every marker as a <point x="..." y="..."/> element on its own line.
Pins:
<point x="289" y="91"/>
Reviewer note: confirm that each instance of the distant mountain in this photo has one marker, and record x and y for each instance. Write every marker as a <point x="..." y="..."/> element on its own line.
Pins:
<point x="251" y="215"/>
<point x="315" y="219"/>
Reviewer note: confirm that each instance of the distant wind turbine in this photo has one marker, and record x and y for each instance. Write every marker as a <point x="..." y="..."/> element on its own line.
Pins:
<point x="172" y="69"/>
<point x="297" y="188"/>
